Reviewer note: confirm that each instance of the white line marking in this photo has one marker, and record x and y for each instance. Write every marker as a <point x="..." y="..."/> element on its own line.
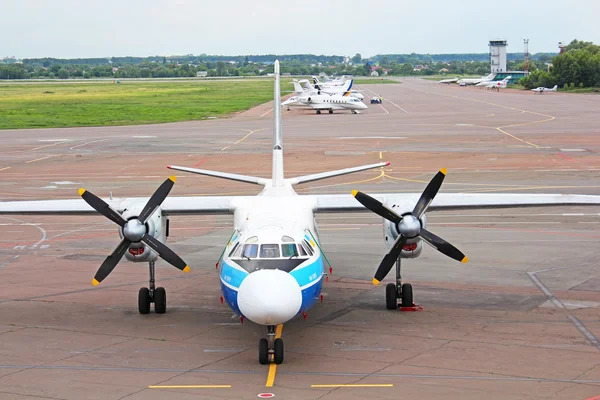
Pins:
<point x="566" y="150"/>
<point x="384" y="109"/>
<point x="53" y="140"/>
<point x="144" y="137"/>
<point x="266" y="113"/>
<point x="83" y="144"/>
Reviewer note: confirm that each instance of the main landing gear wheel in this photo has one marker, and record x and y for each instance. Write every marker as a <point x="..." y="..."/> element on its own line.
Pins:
<point x="148" y="295"/>
<point x="330" y="111"/>
<point x="263" y="351"/>
<point x="160" y="300"/>
<point x="318" y="111"/>
<point x="407" y="295"/>
<point x="391" y="296"/>
<point x="144" y="300"/>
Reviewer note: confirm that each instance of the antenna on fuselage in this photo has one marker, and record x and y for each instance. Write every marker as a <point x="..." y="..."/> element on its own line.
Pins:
<point x="277" y="175"/>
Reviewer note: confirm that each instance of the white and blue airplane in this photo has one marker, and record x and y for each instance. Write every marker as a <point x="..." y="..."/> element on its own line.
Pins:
<point x="273" y="266"/>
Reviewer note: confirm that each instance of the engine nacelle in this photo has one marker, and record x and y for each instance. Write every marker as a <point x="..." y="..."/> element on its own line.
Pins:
<point x="413" y="246"/>
<point x="156" y="227"/>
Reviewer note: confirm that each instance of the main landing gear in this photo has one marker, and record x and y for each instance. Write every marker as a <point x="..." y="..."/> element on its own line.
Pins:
<point x="398" y="290"/>
<point x="148" y="295"/>
<point x="270" y="346"/>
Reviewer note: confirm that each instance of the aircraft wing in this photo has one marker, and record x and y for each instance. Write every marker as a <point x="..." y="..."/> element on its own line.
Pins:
<point x="171" y="205"/>
<point x="456" y="201"/>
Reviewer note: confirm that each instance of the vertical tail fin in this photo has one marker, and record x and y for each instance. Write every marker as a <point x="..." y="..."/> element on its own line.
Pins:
<point x="277" y="173"/>
<point x="297" y="87"/>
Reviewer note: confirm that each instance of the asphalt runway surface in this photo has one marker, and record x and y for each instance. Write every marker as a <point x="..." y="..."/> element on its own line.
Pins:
<point x="519" y="321"/>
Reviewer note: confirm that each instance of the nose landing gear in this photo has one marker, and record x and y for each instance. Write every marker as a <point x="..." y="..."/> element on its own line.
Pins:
<point x="270" y="346"/>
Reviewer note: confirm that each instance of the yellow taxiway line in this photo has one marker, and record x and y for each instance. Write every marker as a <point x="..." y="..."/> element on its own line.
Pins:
<point x="189" y="387"/>
<point x="354" y="385"/>
<point x="273" y="366"/>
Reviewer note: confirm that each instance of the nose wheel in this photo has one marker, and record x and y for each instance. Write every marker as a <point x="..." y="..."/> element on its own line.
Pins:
<point x="151" y="294"/>
<point x="270" y="346"/>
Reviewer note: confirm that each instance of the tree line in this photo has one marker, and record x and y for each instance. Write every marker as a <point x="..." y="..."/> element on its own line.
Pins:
<point x="577" y="67"/>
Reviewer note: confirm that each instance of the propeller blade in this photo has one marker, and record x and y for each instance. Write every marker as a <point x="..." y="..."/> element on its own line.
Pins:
<point x="442" y="246"/>
<point x="100" y="205"/>
<point x="111" y="262"/>
<point x="429" y="193"/>
<point x="390" y="258"/>
<point x="376" y="206"/>
<point x="157" y="198"/>
<point x="165" y="253"/>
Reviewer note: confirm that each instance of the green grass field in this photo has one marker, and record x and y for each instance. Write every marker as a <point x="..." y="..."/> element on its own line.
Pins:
<point x="47" y="105"/>
<point x="69" y="104"/>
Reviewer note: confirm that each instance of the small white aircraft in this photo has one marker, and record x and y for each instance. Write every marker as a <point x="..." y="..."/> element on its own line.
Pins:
<point x="449" y="81"/>
<point x="330" y="82"/>
<point x="326" y="102"/>
<point x="304" y="87"/>
<point x="273" y="266"/>
<point x="497" y="85"/>
<point x="475" y="81"/>
<point x="542" y="89"/>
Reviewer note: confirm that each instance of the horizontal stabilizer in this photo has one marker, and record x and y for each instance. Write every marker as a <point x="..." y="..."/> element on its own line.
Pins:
<point x="330" y="174"/>
<point x="222" y="175"/>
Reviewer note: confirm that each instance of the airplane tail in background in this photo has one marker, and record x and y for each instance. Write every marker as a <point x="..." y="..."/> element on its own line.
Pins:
<point x="297" y="87"/>
<point x="277" y="172"/>
<point x="554" y="88"/>
<point x="347" y="85"/>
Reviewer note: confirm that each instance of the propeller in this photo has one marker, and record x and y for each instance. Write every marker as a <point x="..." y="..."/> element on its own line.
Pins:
<point x="409" y="226"/>
<point x="134" y="230"/>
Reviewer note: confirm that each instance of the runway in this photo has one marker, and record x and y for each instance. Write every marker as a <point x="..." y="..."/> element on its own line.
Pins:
<point x="519" y="321"/>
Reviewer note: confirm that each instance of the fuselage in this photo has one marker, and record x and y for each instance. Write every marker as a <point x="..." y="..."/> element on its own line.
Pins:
<point x="272" y="268"/>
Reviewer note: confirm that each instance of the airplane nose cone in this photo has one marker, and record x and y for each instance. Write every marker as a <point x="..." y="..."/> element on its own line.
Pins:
<point x="269" y="297"/>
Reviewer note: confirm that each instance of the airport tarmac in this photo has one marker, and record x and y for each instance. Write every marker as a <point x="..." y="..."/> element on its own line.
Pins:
<point x="521" y="320"/>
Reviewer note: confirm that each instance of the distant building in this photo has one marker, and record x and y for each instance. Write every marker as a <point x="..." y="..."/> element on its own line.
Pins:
<point x="374" y="73"/>
<point x="444" y="70"/>
<point x="201" y="74"/>
<point x="498" y="55"/>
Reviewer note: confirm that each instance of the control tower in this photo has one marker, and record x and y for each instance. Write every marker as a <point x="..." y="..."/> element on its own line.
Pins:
<point x="498" y="55"/>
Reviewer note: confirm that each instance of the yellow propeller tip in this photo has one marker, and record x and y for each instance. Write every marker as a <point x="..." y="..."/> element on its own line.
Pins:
<point x="186" y="269"/>
<point x="173" y="178"/>
<point x="81" y="191"/>
<point x="354" y="193"/>
<point x="444" y="171"/>
<point x="95" y="282"/>
<point x="375" y="281"/>
<point x="465" y="260"/>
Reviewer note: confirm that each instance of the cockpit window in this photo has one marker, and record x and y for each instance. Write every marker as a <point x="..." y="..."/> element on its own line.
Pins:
<point x="307" y="247"/>
<point x="287" y="239"/>
<point x="301" y="250"/>
<point x="237" y="246"/>
<point x="269" y="251"/>
<point x="288" y="250"/>
<point x="250" y="251"/>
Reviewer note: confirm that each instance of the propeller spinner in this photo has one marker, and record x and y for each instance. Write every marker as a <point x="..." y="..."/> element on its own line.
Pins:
<point x="134" y="230"/>
<point x="409" y="226"/>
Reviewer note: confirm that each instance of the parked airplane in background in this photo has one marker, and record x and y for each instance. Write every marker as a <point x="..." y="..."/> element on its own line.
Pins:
<point x="449" y="81"/>
<point x="475" y="81"/>
<point x="304" y="87"/>
<point x="273" y="266"/>
<point x="330" y="82"/>
<point x="321" y="101"/>
<point x="542" y="89"/>
<point x="496" y="84"/>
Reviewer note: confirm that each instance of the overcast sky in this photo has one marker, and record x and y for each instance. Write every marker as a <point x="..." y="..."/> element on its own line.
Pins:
<point x="87" y="28"/>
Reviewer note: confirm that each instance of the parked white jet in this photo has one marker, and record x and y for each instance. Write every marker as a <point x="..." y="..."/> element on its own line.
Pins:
<point x="449" y="81"/>
<point x="272" y="268"/>
<point x="496" y="84"/>
<point x="303" y="87"/>
<point x="329" y="102"/>
<point x="330" y="82"/>
<point x="542" y="89"/>
<point x="475" y="81"/>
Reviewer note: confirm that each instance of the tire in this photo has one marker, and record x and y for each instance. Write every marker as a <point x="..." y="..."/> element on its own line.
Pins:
<point x="407" y="295"/>
<point x="160" y="300"/>
<point x="278" y="349"/>
<point x="318" y="111"/>
<point x="263" y="351"/>
<point x="144" y="301"/>
<point x="330" y="111"/>
<point x="391" y="297"/>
